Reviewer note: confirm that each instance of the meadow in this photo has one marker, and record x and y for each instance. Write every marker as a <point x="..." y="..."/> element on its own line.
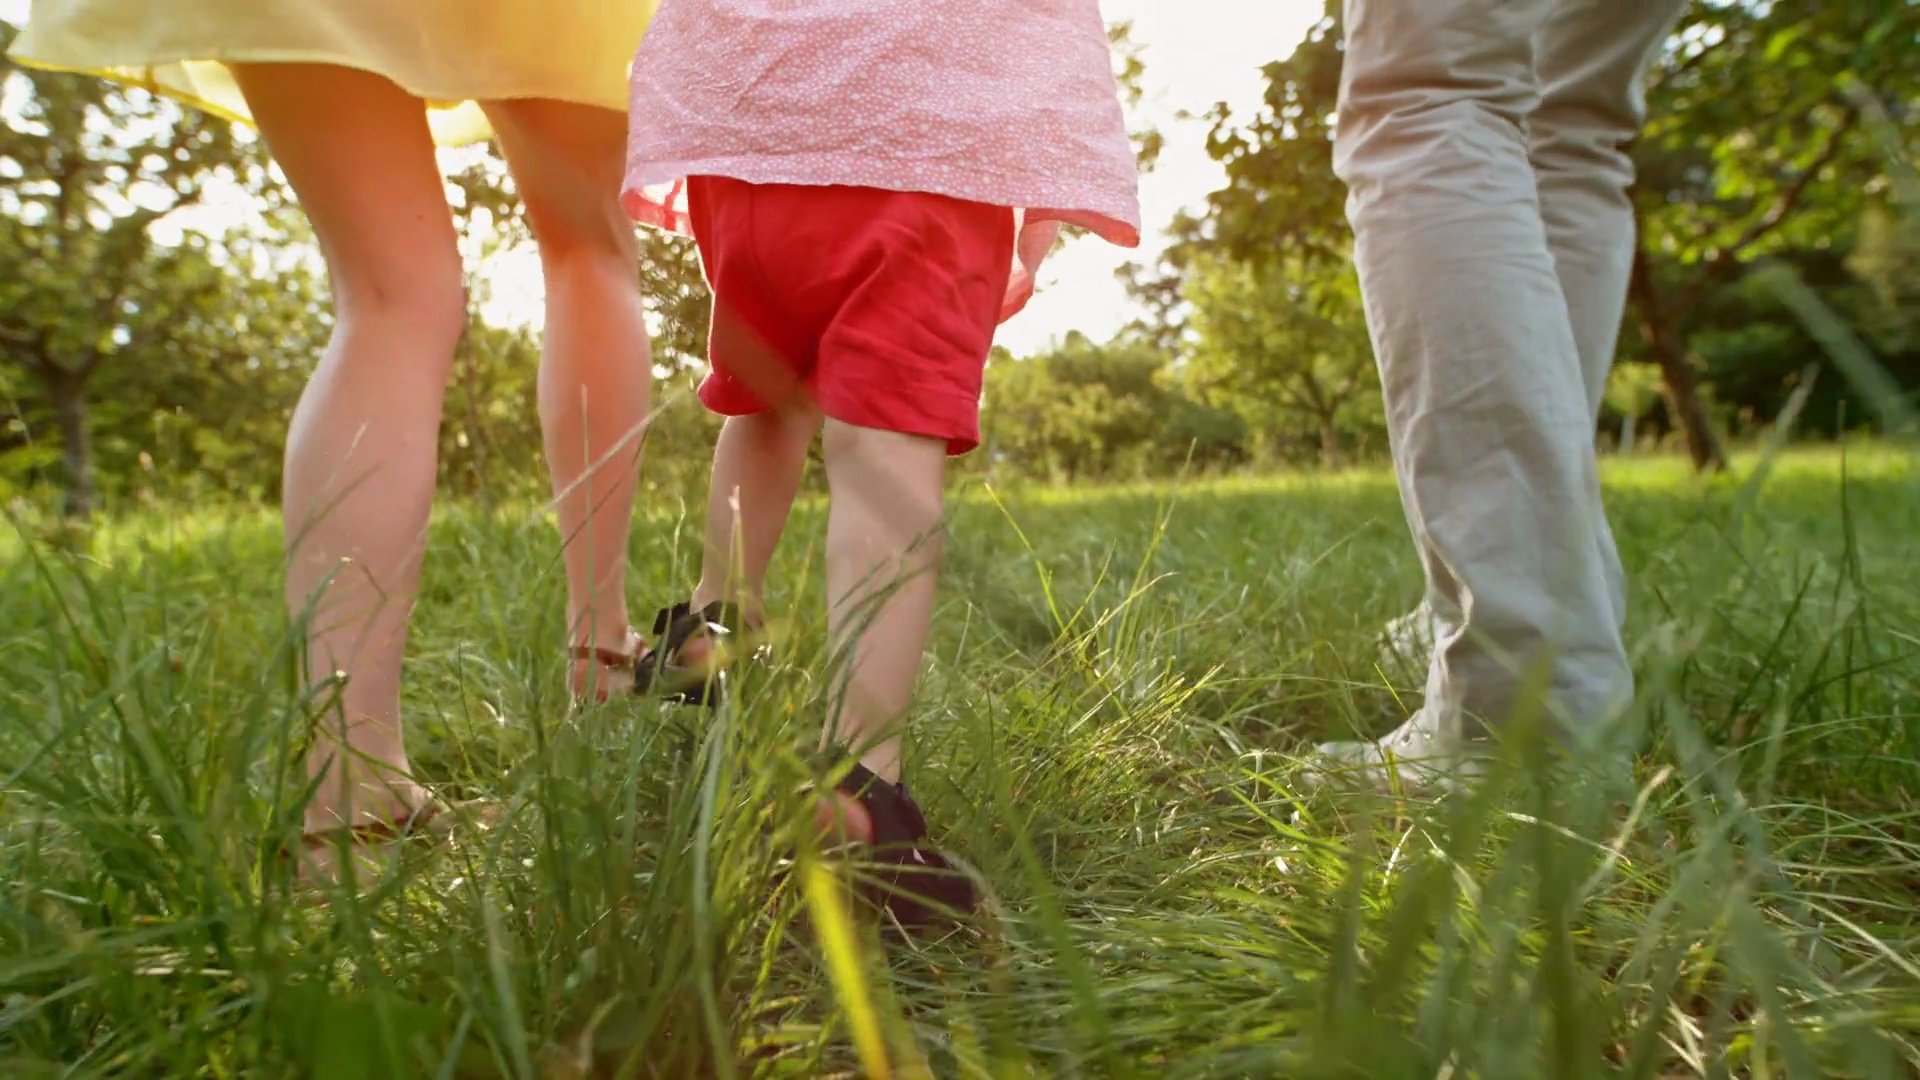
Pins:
<point x="1113" y="731"/>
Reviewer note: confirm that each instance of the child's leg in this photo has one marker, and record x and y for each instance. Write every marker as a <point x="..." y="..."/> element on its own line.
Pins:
<point x="883" y="558"/>
<point x="757" y="465"/>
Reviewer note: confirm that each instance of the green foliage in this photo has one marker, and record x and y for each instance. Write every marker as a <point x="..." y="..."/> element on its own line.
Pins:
<point x="1281" y="195"/>
<point x="88" y="175"/>
<point x="1283" y="345"/>
<point x="1113" y="729"/>
<point x="1886" y="260"/>
<point x="1129" y="71"/>
<point x="1633" y="389"/>
<point x="1727" y="177"/>
<point x="1087" y="411"/>
<point x="1256" y="299"/>
<point x="1778" y="169"/>
<point x="140" y="360"/>
<point x="143" y="360"/>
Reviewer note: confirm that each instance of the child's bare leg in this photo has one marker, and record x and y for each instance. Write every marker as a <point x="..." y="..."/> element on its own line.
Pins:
<point x="757" y="465"/>
<point x="883" y="557"/>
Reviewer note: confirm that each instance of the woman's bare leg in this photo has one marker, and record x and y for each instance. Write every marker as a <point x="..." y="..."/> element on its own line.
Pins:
<point x="596" y="367"/>
<point x="361" y="448"/>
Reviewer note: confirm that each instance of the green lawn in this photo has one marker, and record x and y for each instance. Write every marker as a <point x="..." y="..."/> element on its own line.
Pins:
<point x="1122" y="683"/>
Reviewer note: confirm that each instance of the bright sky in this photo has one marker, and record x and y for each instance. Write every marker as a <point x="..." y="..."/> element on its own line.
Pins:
<point x="1197" y="52"/>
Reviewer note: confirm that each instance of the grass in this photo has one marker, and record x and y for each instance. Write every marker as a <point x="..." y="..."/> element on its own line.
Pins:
<point x="1122" y="685"/>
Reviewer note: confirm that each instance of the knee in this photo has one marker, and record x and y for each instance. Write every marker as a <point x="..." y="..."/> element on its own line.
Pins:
<point x="423" y="293"/>
<point x="897" y="475"/>
<point x="1571" y="139"/>
<point x="586" y="235"/>
<point x="797" y="419"/>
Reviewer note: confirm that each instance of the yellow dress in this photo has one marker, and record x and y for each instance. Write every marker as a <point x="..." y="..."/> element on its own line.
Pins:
<point x="451" y="53"/>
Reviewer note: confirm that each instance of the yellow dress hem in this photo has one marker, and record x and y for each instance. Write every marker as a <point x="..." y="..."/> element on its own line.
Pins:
<point x="450" y="54"/>
<point x="455" y="122"/>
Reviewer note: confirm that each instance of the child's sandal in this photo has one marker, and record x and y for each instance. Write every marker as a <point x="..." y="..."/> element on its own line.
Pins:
<point x="658" y="669"/>
<point x="905" y="875"/>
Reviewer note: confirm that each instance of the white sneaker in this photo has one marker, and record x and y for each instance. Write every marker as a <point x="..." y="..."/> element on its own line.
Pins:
<point x="1408" y="760"/>
<point x="1408" y="639"/>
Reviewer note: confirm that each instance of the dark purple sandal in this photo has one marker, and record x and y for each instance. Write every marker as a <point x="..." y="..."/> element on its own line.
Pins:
<point x="902" y="873"/>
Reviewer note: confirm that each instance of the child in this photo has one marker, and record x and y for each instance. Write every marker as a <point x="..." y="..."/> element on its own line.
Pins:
<point x="851" y="173"/>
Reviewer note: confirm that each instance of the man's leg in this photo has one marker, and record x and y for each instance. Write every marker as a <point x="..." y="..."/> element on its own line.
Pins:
<point x="1486" y="404"/>
<point x="1592" y="57"/>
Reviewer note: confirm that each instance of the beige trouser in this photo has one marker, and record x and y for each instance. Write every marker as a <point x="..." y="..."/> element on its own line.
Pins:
<point x="1483" y="143"/>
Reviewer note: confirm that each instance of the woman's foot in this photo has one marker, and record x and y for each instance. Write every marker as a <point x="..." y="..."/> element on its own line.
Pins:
<point x="599" y="673"/>
<point x="384" y="816"/>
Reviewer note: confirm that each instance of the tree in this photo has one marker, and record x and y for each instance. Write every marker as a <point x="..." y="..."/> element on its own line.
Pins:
<point x="1130" y="71"/>
<point x="1258" y="292"/>
<point x="1752" y="151"/>
<point x="1085" y="410"/>
<point x="88" y="174"/>
<point x="1281" y="198"/>
<point x="1283" y="344"/>
<point x="1773" y="171"/>
<point x="1632" y="390"/>
<point x="1886" y="261"/>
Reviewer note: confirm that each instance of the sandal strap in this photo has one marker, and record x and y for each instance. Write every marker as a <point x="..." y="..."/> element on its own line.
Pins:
<point x="895" y="816"/>
<point x="604" y="657"/>
<point x="673" y="628"/>
<point x="379" y="831"/>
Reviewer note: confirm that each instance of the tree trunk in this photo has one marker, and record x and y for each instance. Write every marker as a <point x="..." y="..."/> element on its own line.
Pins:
<point x="68" y="395"/>
<point x="1682" y="391"/>
<point x="1668" y="346"/>
<point x="1627" y="422"/>
<point x="1330" y="455"/>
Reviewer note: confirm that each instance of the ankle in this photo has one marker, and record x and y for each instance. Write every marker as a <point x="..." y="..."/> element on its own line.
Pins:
<point x="593" y="631"/>
<point x="839" y="818"/>
<point x="885" y="765"/>
<point x="751" y="610"/>
<point x="367" y="792"/>
<point x="599" y="668"/>
<point x="882" y="758"/>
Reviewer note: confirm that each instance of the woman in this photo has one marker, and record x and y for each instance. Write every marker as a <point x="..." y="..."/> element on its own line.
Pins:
<point x="350" y="95"/>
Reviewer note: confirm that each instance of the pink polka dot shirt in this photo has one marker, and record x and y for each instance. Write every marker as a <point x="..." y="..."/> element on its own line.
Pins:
<point x="1009" y="102"/>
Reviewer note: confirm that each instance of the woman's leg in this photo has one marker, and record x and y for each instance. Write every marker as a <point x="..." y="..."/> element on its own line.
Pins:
<point x="361" y="448"/>
<point x="596" y="367"/>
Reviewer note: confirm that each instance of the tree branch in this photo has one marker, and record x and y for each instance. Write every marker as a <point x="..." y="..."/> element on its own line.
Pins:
<point x="18" y="339"/>
<point x="1788" y="198"/>
<point x="1689" y="65"/>
<point x="1722" y="262"/>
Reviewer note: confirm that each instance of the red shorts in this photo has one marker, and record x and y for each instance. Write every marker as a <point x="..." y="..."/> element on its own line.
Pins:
<point x="879" y="304"/>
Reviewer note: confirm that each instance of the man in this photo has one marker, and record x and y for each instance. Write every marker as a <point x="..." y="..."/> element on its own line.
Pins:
<point x="1484" y="147"/>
